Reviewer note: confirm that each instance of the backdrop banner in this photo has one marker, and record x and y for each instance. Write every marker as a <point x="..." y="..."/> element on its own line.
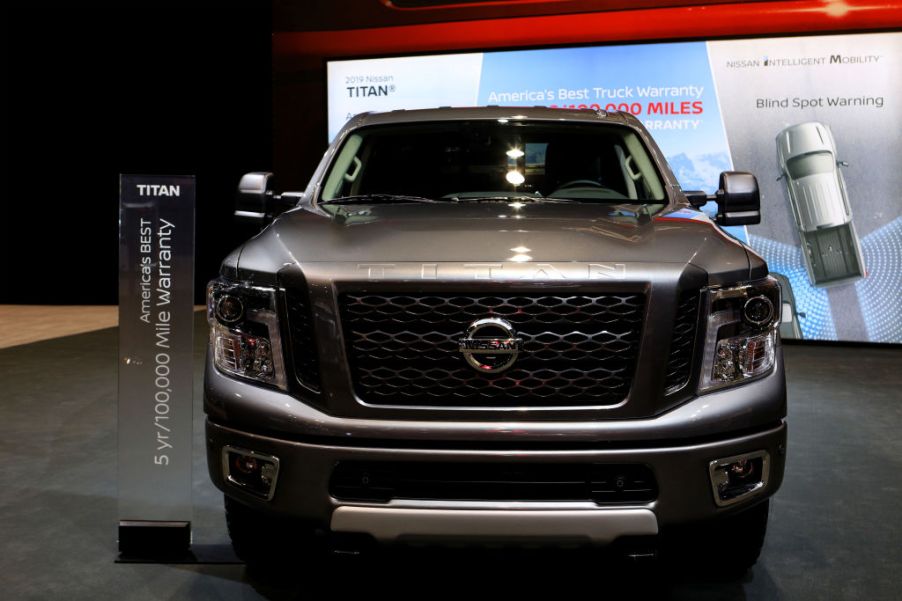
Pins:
<point x="156" y="325"/>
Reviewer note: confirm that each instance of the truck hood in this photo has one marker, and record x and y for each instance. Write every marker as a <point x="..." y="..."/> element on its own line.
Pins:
<point x="492" y="232"/>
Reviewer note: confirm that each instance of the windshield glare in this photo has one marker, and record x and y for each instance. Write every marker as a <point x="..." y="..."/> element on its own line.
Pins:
<point x="499" y="159"/>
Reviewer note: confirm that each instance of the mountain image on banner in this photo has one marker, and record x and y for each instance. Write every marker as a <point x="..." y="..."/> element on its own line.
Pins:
<point x="699" y="172"/>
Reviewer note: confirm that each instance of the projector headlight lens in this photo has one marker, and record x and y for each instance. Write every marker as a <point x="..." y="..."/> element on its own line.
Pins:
<point x="758" y="310"/>
<point x="229" y="308"/>
<point x="244" y="332"/>
<point x="741" y="334"/>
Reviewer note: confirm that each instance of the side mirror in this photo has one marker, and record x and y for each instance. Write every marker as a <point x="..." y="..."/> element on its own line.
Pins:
<point x="257" y="201"/>
<point x="738" y="199"/>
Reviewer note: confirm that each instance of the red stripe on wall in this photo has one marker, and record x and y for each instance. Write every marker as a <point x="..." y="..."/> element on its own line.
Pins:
<point x="702" y="22"/>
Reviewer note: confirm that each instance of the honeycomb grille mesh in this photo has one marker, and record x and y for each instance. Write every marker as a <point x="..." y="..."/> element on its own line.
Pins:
<point x="577" y="350"/>
<point x="679" y="360"/>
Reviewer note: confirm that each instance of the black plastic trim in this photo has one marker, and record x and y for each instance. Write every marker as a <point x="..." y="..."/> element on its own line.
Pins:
<point x="478" y="445"/>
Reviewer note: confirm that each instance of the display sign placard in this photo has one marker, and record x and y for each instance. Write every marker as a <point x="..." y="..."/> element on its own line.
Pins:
<point x="156" y="325"/>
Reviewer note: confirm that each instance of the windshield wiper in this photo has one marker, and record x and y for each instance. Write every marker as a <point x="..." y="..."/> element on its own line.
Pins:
<point x="377" y="198"/>
<point x="526" y="197"/>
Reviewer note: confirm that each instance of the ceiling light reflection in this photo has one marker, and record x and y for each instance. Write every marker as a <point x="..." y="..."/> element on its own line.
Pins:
<point x="514" y="177"/>
<point x="837" y="8"/>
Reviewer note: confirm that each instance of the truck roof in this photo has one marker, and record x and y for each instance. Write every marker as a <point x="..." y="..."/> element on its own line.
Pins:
<point x="540" y="113"/>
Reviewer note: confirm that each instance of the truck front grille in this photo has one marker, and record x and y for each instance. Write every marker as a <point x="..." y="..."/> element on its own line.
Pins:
<point x="603" y="484"/>
<point x="577" y="350"/>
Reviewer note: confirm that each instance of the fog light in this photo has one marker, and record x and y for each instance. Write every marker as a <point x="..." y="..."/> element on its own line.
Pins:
<point x="253" y="472"/>
<point x="742" y="469"/>
<point x="737" y="478"/>
<point x="245" y="463"/>
<point x="268" y="474"/>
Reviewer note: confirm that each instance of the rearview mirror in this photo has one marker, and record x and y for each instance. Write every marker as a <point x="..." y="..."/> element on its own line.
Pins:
<point x="738" y="199"/>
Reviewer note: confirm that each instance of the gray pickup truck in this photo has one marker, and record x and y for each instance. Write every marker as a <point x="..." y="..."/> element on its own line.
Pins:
<point x="496" y="326"/>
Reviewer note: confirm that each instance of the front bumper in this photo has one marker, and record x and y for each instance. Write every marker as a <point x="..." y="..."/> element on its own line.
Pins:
<point x="681" y="470"/>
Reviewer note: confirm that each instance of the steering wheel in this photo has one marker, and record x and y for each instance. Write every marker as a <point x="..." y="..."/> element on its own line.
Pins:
<point x="580" y="182"/>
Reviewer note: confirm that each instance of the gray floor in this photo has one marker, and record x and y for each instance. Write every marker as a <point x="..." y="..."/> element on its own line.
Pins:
<point x="835" y="526"/>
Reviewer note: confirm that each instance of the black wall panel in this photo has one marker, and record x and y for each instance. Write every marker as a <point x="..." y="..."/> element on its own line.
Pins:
<point x="94" y="91"/>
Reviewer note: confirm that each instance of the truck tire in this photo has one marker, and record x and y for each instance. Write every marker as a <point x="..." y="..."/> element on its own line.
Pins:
<point x="724" y="549"/>
<point x="267" y="543"/>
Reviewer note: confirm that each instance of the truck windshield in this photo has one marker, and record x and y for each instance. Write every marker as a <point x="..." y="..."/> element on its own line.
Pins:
<point x="498" y="159"/>
<point x="810" y="164"/>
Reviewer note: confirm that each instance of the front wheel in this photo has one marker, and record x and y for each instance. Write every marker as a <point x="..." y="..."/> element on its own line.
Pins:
<point x="723" y="549"/>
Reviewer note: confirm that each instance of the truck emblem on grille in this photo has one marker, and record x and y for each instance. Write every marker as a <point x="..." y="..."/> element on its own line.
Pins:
<point x="490" y="353"/>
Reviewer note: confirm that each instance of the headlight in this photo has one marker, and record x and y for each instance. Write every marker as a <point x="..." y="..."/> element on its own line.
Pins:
<point x="244" y="332"/>
<point x="741" y="333"/>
